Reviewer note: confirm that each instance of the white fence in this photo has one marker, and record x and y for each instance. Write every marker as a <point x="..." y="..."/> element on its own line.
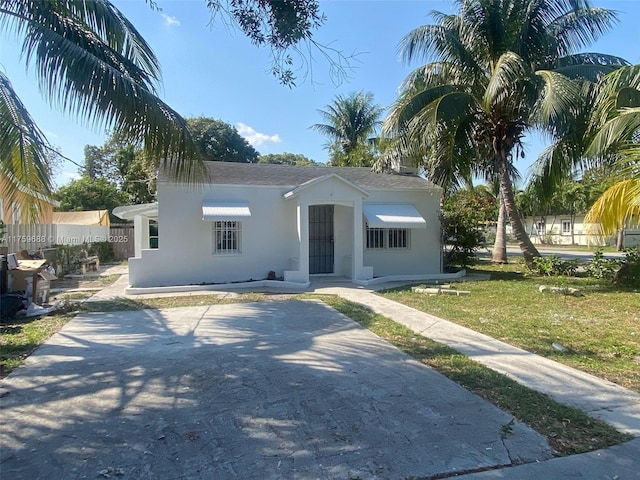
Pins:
<point x="36" y="237"/>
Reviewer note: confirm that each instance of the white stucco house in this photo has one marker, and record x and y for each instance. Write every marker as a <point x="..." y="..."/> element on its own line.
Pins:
<point x="293" y="221"/>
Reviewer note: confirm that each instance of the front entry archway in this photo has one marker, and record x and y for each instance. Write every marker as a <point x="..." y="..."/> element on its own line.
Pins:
<point x="321" y="239"/>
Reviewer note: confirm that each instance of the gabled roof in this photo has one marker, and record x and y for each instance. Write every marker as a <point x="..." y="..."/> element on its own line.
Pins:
<point x="324" y="178"/>
<point x="292" y="176"/>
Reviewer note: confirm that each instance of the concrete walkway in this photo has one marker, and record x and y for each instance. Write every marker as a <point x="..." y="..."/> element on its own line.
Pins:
<point x="595" y="396"/>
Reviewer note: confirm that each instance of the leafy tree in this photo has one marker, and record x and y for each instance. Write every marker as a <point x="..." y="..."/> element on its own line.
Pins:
<point x="350" y="122"/>
<point x="463" y="216"/>
<point x="90" y="194"/>
<point x="217" y="141"/>
<point x="287" y="159"/>
<point x="124" y="164"/>
<point x="499" y="68"/>
<point x="93" y="63"/>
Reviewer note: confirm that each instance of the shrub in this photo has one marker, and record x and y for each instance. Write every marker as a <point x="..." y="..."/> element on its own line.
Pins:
<point x="600" y="267"/>
<point x="462" y="215"/>
<point x="629" y="273"/>
<point x="552" y="265"/>
<point x="104" y="251"/>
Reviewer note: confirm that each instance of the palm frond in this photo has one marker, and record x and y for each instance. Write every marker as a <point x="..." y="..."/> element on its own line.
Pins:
<point x="615" y="132"/>
<point x="615" y="206"/>
<point x="92" y="63"/>
<point x="559" y="99"/>
<point x="580" y="26"/>
<point x="508" y="72"/>
<point x="24" y="175"/>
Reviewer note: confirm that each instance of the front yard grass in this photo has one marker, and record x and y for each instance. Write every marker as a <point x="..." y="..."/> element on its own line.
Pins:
<point x="600" y="330"/>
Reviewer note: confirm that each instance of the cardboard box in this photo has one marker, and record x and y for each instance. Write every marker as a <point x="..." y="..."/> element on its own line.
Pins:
<point x="41" y="281"/>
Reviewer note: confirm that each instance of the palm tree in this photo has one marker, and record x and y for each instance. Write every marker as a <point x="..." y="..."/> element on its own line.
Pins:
<point x="499" y="68"/>
<point x="91" y="62"/>
<point x="616" y="120"/>
<point x="350" y="121"/>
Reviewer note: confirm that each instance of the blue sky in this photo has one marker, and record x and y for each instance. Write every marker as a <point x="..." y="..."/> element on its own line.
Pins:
<point x="214" y="71"/>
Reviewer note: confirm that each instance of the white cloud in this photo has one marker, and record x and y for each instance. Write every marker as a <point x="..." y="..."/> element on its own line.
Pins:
<point x="256" y="139"/>
<point x="63" y="178"/>
<point x="170" y="20"/>
<point x="72" y="175"/>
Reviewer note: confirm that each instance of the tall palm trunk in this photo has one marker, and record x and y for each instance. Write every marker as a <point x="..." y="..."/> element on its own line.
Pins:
<point x="499" y="254"/>
<point x="529" y="251"/>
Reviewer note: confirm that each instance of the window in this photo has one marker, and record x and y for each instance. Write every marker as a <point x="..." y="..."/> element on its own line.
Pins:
<point x="398" y="238"/>
<point x="387" y="238"/>
<point x="226" y="237"/>
<point x="375" y="238"/>
<point x="566" y="226"/>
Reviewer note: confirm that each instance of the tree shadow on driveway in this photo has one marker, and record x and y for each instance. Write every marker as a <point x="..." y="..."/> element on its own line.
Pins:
<point x="264" y="390"/>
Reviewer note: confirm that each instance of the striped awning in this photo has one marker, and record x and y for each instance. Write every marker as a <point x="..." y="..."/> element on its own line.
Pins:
<point x="401" y="215"/>
<point x="212" y="211"/>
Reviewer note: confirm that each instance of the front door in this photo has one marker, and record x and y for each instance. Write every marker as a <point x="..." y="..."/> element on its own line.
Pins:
<point x="321" y="239"/>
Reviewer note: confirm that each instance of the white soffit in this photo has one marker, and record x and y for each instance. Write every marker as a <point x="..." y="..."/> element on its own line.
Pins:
<point x="225" y="210"/>
<point x="401" y="215"/>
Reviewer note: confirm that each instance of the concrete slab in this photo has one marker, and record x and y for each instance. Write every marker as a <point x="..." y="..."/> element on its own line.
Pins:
<point x="615" y="463"/>
<point x="265" y="390"/>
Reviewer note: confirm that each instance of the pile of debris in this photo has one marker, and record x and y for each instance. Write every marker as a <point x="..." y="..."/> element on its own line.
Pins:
<point x="25" y="281"/>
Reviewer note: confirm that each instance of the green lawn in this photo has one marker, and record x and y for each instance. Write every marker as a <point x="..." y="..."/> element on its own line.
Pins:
<point x="601" y="330"/>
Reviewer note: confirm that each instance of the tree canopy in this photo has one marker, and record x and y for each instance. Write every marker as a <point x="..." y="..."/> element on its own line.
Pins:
<point x="90" y="194"/>
<point x="125" y="165"/>
<point x="350" y="123"/>
<point x="287" y="159"/>
<point x="498" y="69"/>
<point x="217" y="141"/>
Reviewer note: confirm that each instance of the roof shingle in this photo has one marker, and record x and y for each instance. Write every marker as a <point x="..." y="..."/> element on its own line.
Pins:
<point x="229" y="173"/>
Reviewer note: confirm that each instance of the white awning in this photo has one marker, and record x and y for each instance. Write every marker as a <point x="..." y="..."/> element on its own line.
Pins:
<point x="386" y="215"/>
<point x="129" y="212"/>
<point x="225" y="210"/>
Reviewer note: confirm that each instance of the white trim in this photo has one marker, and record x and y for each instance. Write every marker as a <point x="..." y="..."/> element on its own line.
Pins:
<point x="401" y="215"/>
<point x="324" y="178"/>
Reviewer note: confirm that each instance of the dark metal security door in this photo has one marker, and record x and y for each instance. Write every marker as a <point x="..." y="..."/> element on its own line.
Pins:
<point x="321" y="239"/>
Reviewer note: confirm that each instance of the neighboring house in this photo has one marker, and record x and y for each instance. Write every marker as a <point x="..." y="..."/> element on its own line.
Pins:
<point x="89" y="217"/>
<point x="561" y="230"/>
<point x="291" y="222"/>
<point x="12" y="213"/>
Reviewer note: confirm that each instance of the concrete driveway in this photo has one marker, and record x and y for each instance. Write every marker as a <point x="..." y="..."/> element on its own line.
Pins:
<point x="271" y="390"/>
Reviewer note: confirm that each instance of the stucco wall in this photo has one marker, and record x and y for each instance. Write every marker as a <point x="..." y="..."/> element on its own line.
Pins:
<point x="423" y="256"/>
<point x="184" y="256"/>
<point x="270" y="236"/>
